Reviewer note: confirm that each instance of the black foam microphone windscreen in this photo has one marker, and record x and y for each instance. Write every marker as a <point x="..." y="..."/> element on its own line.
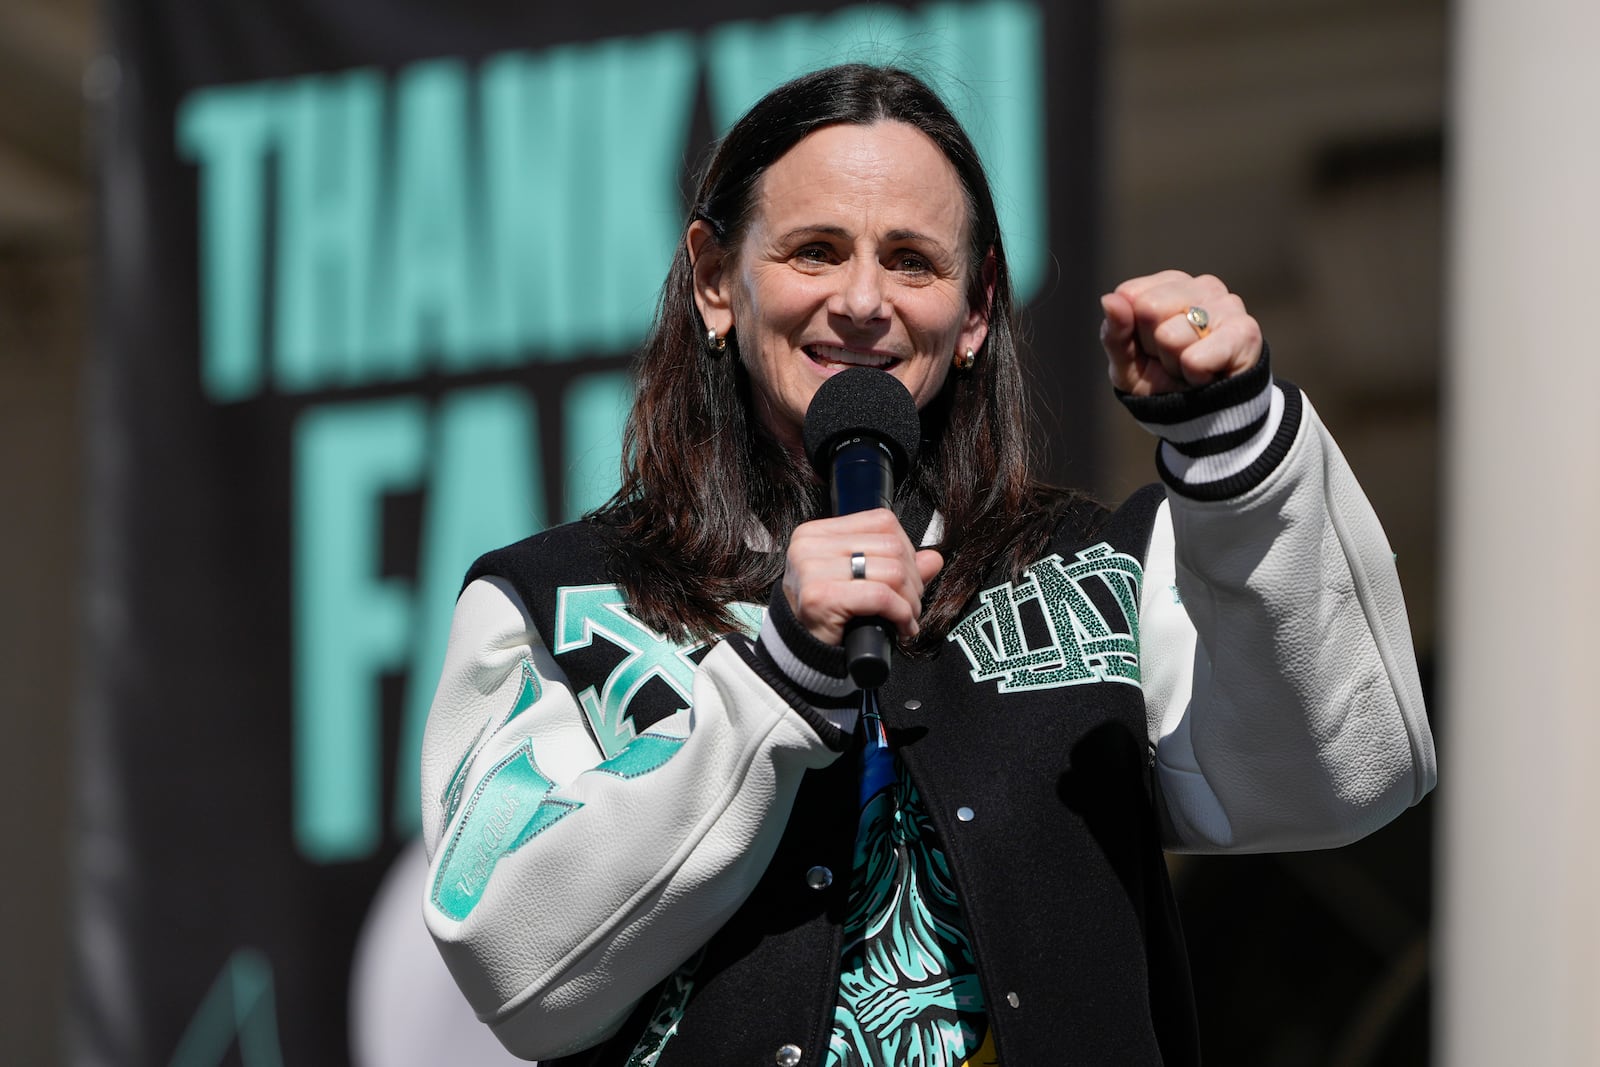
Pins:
<point x="862" y="402"/>
<point x="861" y="433"/>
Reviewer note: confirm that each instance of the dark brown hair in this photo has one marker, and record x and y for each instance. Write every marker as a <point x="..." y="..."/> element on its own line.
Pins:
<point x="703" y="478"/>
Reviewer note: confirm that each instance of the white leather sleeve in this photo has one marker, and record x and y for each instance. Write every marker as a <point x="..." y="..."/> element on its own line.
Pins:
<point x="1280" y="681"/>
<point x="562" y="887"/>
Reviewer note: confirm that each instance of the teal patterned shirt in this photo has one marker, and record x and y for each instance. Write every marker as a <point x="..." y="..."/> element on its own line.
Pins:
<point x="908" y="988"/>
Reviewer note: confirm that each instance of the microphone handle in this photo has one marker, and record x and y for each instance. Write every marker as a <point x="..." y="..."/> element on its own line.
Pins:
<point x="863" y="479"/>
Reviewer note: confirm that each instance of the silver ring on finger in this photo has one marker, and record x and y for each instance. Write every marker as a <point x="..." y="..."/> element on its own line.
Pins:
<point x="1199" y="318"/>
<point x="858" y="565"/>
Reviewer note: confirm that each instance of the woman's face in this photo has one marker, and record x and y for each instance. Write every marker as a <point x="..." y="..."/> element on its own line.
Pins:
<point x="855" y="255"/>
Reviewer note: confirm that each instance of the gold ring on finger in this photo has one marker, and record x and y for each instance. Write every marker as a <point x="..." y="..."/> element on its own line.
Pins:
<point x="1199" y="319"/>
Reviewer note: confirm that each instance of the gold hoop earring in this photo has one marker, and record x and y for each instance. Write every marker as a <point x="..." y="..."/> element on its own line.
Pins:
<point x="715" y="344"/>
<point x="965" y="360"/>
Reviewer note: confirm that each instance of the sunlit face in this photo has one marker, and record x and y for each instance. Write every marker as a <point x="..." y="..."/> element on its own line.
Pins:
<point x="855" y="255"/>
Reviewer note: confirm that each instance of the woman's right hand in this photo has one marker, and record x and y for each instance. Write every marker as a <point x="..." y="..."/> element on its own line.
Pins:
<point x="823" y="594"/>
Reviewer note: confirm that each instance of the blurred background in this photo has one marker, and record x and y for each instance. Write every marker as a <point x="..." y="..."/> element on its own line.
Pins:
<point x="1297" y="150"/>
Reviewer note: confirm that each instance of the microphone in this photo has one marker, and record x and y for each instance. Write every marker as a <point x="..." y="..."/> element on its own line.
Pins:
<point x="861" y="434"/>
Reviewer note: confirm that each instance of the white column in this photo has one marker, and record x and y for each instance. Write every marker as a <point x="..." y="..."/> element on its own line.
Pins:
<point x="1518" y="958"/>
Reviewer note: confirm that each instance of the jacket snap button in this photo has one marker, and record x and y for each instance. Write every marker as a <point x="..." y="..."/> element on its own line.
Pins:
<point x="818" y="877"/>
<point x="788" y="1056"/>
<point x="1013" y="1000"/>
<point x="913" y="704"/>
<point x="964" y="814"/>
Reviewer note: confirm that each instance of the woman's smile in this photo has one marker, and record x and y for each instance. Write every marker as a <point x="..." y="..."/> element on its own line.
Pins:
<point x="836" y="358"/>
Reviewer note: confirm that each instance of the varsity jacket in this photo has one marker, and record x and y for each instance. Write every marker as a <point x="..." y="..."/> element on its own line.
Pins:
<point x="632" y="844"/>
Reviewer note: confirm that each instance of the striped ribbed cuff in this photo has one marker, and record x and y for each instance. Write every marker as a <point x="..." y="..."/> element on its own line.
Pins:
<point x="819" y="672"/>
<point x="1222" y="439"/>
<point x="834" y="726"/>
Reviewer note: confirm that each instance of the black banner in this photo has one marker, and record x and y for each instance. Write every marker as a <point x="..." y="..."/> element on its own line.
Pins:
<point x="372" y="276"/>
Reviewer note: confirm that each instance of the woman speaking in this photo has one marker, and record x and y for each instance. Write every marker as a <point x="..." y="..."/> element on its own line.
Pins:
<point x="665" y="824"/>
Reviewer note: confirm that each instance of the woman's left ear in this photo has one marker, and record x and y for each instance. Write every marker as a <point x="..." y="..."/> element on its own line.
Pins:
<point x="706" y="260"/>
<point x="976" y="330"/>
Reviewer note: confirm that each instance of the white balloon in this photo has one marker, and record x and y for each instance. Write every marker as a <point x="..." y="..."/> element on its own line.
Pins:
<point x="405" y="1009"/>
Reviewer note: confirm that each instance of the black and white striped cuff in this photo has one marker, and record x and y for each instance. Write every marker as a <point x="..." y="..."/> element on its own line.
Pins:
<point x="1222" y="439"/>
<point x="834" y="726"/>
<point x="819" y="672"/>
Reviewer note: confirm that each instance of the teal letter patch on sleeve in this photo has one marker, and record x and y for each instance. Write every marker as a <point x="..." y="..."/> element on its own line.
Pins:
<point x="510" y="807"/>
